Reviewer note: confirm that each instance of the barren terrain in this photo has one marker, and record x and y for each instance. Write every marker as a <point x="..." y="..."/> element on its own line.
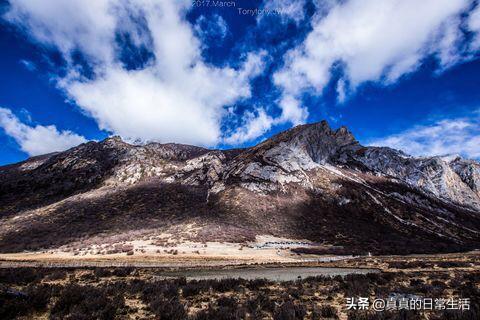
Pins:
<point x="139" y="293"/>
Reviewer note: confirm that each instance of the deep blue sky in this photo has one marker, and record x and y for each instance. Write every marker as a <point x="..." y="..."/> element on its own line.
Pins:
<point x="372" y="111"/>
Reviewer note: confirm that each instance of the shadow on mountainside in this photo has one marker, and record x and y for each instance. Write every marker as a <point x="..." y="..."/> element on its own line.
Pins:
<point x="237" y="215"/>
<point x="143" y="206"/>
<point x="382" y="224"/>
<point x="77" y="170"/>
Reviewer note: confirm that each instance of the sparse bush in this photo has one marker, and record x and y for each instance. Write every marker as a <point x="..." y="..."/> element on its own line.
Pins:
<point x="227" y="311"/>
<point x="193" y="288"/>
<point x="323" y="312"/>
<point x="224" y="285"/>
<point x="256" y="284"/>
<point x="57" y="275"/>
<point x="168" y="309"/>
<point x="122" y="272"/>
<point x="85" y="302"/>
<point x="355" y="285"/>
<point x="409" y="264"/>
<point x="453" y="264"/>
<point x="289" y="311"/>
<point x="225" y="298"/>
<point x="14" y="303"/>
<point x="21" y="276"/>
<point x="102" y="272"/>
<point x="260" y="303"/>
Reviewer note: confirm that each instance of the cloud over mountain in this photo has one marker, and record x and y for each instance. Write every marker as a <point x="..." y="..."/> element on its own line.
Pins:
<point x="369" y="40"/>
<point x="443" y="137"/>
<point x="173" y="97"/>
<point x="140" y="68"/>
<point x="36" y="140"/>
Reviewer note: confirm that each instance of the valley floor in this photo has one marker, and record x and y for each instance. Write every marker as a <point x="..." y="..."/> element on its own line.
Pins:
<point x="264" y="251"/>
<point x="140" y="293"/>
<point x="138" y="253"/>
<point x="145" y="280"/>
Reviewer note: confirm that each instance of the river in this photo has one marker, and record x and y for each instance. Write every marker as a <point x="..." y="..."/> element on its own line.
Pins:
<point x="273" y="274"/>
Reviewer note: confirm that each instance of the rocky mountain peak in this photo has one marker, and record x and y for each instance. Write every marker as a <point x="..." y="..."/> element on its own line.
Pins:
<point x="321" y="142"/>
<point x="318" y="140"/>
<point x="114" y="141"/>
<point x="283" y="159"/>
<point x="311" y="181"/>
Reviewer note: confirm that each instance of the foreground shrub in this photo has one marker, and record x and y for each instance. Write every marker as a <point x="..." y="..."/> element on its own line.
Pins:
<point x="324" y="312"/>
<point x="85" y="302"/>
<point x="227" y="309"/>
<point x="168" y="309"/>
<point x="14" y="303"/>
<point x="289" y="311"/>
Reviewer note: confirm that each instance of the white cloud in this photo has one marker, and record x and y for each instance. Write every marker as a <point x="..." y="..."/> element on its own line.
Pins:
<point x="38" y="139"/>
<point x="341" y="91"/>
<point x="373" y="41"/>
<point x="68" y="25"/>
<point x="474" y="26"/>
<point x="253" y="127"/>
<point x="448" y="136"/>
<point x="259" y="122"/>
<point x="286" y="9"/>
<point x="187" y="107"/>
<point x="292" y="110"/>
<point x="177" y="97"/>
<point x="213" y="28"/>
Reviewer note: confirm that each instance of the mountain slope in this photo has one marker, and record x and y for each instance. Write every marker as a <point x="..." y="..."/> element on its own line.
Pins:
<point x="309" y="182"/>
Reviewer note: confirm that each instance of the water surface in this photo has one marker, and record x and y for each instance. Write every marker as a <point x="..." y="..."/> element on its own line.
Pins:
<point x="273" y="274"/>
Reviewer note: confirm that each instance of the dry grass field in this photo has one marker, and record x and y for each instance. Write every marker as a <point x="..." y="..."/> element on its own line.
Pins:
<point x="139" y="292"/>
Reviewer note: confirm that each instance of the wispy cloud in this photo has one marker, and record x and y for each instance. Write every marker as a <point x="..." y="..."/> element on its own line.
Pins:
<point x="212" y="29"/>
<point x="448" y="136"/>
<point x="254" y="125"/>
<point x="286" y="9"/>
<point x="36" y="140"/>
<point x="473" y="24"/>
<point x="29" y="65"/>
<point x="374" y="40"/>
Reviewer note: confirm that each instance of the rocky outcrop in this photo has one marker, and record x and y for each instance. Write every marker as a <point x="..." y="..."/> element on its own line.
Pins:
<point x="288" y="157"/>
<point x="454" y="181"/>
<point x="310" y="181"/>
<point x="468" y="171"/>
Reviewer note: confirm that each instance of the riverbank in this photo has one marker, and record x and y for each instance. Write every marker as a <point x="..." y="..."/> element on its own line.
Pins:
<point x="143" y="293"/>
<point x="467" y="260"/>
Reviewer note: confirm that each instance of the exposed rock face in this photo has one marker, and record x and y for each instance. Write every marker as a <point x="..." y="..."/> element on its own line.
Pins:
<point x="287" y="156"/>
<point x="468" y="171"/>
<point x="452" y="181"/>
<point x="309" y="182"/>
